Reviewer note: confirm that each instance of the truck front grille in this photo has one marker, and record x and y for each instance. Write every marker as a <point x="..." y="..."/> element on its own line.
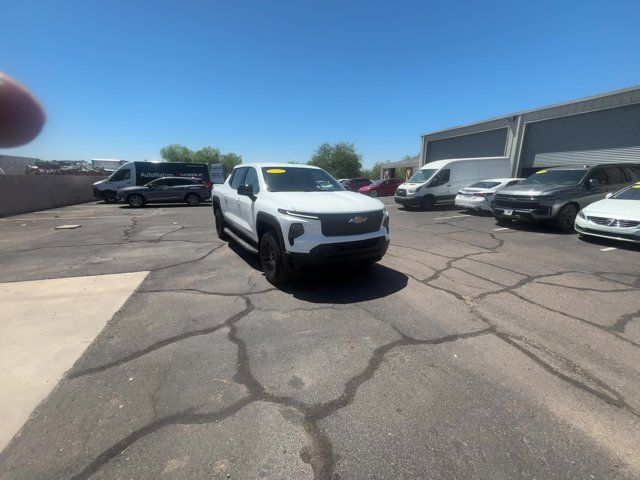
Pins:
<point x="339" y="224"/>
<point x="516" y="202"/>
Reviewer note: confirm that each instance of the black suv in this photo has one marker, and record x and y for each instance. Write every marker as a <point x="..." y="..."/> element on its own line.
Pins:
<point x="166" y="189"/>
<point x="558" y="194"/>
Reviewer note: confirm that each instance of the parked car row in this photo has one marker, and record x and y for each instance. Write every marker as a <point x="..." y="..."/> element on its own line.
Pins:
<point x="598" y="200"/>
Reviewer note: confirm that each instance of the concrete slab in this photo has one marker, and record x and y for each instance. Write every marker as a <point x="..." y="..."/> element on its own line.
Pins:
<point x="45" y="325"/>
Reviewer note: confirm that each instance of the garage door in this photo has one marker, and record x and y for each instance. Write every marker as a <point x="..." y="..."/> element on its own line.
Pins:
<point x="484" y="144"/>
<point x="606" y="136"/>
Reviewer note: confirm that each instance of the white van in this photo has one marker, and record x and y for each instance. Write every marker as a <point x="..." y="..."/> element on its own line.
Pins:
<point x="438" y="182"/>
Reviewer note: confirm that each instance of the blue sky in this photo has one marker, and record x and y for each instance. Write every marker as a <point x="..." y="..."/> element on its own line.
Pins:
<point x="272" y="80"/>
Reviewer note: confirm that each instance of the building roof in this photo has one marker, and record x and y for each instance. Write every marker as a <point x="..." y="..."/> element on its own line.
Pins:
<point x="632" y="92"/>
<point x="412" y="162"/>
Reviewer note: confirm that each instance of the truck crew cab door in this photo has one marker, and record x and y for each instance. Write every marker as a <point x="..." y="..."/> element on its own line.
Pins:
<point x="231" y="202"/>
<point x="246" y="205"/>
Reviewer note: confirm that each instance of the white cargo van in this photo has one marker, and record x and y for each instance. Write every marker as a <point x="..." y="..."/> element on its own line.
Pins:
<point x="438" y="182"/>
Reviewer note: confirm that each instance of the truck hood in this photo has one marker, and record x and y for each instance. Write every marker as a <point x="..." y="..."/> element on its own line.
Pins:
<point x="327" y="202"/>
<point x="537" y="190"/>
<point x="628" y="209"/>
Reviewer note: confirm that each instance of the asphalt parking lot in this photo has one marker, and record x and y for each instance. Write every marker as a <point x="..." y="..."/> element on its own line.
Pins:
<point x="471" y="351"/>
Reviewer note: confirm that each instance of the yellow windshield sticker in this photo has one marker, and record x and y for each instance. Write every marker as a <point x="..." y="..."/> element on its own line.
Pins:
<point x="276" y="170"/>
<point x="541" y="171"/>
<point x="636" y="186"/>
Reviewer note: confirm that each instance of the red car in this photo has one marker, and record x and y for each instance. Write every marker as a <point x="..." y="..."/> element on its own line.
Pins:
<point x="382" y="187"/>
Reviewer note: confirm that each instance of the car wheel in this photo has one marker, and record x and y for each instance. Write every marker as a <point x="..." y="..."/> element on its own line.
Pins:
<point x="566" y="218"/>
<point x="220" y="225"/>
<point x="373" y="193"/>
<point x="109" y="196"/>
<point x="271" y="259"/>
<point x="427" y="203"/>
<point x="193" y="200"/>
<point x="136" y="201"/>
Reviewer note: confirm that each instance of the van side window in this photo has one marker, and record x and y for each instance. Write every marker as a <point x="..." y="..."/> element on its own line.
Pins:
<point x="442" y="177"/>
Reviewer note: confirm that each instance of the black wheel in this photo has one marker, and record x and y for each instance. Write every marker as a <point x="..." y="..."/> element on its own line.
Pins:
<point x="109" y="196"/>
<point x="192" y="199"/>
<point x="373" y="193"/>
<point x="566" y="218"/>
<point x="220" y="224"/>
<point x="427" y="203"/>
<point x="271" y="259"/>
<point x="136" y="201"/>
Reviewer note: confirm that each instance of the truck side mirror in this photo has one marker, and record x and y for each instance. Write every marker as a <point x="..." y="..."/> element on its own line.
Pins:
<point x="593" y="182"/>
<point x="247" y="191"/>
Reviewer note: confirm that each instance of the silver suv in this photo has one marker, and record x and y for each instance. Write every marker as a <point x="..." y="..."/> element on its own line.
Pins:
<point x="167" y="189"/>
<point x="558" y="194"/>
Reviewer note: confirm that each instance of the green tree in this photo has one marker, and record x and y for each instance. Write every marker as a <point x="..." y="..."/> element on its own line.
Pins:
<point x="341" y="159"/>
<point x="207" y="155"/>
<point x="228" y="161"/>
<point x="374" y="172"/>
<point x="176" y="153"/>
<point x="180" y="153"/>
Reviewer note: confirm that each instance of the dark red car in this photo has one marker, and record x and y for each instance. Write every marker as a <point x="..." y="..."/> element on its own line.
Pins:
<point x="382" y="187"/>
<point x="355" y="184"/>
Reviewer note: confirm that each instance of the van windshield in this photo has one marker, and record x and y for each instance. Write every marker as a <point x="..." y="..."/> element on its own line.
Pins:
<point x="555" y="177"/>
<point x="422" y="175"/>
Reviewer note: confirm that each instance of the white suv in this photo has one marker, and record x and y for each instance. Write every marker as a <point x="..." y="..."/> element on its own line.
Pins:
<point x="295" y="216"/>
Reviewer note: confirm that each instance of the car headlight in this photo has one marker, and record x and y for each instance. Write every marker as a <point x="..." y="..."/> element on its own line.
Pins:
<point x="582" y="215"/>
<point x="413" y="190"/>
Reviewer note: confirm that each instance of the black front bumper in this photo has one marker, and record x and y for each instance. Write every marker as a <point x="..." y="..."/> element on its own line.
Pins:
<point x="334" y="253"/>
<point x="97" y="193"/>
<point x="408" y="201"/>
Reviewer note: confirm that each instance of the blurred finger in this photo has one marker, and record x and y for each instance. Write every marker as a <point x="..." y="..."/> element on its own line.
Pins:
<point x="21" y="116"/>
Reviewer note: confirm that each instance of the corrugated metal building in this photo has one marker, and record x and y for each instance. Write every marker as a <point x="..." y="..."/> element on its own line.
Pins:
<point x="600" y="129"/>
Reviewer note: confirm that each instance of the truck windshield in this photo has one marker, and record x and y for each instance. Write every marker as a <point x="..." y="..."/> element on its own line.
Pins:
<point x="555" y="177"/>
<point x="629" y="193"/>
<point x="422" y="176"/>
<point x="297" y="179"/>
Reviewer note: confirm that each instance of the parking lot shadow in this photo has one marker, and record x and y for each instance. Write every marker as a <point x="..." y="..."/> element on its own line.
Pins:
<point x="345" y="284"/>
<point x="340" y="284"/>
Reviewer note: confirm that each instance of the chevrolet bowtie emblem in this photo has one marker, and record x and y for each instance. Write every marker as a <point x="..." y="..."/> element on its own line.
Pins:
<point x="357" y="220"/>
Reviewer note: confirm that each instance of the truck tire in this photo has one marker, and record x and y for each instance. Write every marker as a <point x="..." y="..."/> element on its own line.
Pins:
<point x="136" y="200"/>
<point x="192" y="199"/>
<point x="273" y="266"/>
<point x="220" y="225"/>
<point x="566" y="218"/>
<point x="109" y="196"/>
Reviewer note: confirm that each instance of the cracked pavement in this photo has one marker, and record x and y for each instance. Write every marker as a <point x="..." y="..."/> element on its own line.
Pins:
<point x="468" y="352"/>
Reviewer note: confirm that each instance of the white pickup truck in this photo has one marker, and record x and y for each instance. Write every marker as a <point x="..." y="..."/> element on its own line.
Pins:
<point x="296" y="216"/>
